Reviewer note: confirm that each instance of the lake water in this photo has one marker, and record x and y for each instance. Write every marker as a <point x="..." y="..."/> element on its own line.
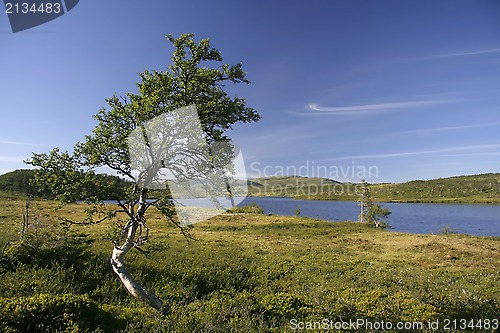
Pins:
<point x="481" y="220"/>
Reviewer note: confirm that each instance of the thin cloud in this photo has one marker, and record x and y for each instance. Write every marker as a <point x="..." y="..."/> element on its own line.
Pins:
<point x="368" y="107"/>
<point x="473" y="154"/>
<point x="12" y="159"/>
<point x="391" y="155"/>
<point x="457" y="54"/>
<point x="20" y="143"/>
<point x="447" y="128"/>
<point x="425" y="152"/>
<point x="468" y="53"/>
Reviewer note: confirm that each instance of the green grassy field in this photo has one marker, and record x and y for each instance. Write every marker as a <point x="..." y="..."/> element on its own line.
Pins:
<point x="244" y="273"/>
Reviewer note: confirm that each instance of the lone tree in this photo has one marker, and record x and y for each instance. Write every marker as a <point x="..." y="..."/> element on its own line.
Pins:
<point x="195" y="77"/>
<point x="371" y="213"/>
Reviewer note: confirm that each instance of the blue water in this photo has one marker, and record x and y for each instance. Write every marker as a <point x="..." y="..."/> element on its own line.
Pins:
<point x="480" y="220"/>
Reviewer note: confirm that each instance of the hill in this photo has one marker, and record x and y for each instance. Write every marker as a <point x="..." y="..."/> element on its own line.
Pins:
<point x="19" y="182"/>
<point x="294" y="186"/>
<point x="484" y="188"/>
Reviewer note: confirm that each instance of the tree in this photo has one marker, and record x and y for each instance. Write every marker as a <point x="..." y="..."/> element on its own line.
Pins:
<point x="377" y="216"/>
<point x="297" y="211"/>
<point x="372" y="213"/>
<point x="364" y="201"/>
<point x="188" y="81"/>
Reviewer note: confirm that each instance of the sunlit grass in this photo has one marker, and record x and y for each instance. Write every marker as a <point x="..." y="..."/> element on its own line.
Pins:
<point x="253" y="272"/>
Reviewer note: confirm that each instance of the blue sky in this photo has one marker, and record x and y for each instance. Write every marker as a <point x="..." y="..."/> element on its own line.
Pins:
<point x="404" y="89"/>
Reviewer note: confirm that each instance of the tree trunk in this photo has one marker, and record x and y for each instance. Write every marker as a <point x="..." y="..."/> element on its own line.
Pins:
<point x="134" y="288"/>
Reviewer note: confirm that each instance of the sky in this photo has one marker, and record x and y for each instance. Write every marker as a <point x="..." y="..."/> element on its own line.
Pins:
<point x="389" y="91"/>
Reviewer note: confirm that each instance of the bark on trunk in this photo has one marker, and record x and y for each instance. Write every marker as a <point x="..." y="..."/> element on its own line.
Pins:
<point x="133" y="287"/>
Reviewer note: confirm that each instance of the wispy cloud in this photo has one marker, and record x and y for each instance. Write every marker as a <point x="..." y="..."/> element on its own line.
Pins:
<point x="364" y="108"/>
<point x="20" y="143"/>
<point x="455" y="54"/>
<point x="491" y="153"/>
<point x="468" y="53"/>
<point x="447" y="128"/>
<point x="475" y="148"/>
<point x="12" y="159"/>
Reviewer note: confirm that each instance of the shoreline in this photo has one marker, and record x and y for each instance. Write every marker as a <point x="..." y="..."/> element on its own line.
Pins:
<point x="416" y="201"/>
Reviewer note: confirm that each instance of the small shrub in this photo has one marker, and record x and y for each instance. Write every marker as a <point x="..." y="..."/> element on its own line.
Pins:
<point x="297" y="211"/>
<point x="45" y="249"/>
<point x="377" y="216"/>
<point x="221" y="311"/>
<point x="283" y="305"/>
<point x="54" y="313"/>
<point x="252" y="208"/>
<point x="24" y="280"/>
<point x="447" y="230"/>
<point x="275" y="271"/>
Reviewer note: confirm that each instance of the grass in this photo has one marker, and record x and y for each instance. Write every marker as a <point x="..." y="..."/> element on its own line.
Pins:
<point x="246" y="272"/>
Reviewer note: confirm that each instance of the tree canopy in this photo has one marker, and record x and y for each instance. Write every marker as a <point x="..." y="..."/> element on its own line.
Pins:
<point x="196" y="77"/>
<point x="185" y="83"/>
<point x="373" y="214"/>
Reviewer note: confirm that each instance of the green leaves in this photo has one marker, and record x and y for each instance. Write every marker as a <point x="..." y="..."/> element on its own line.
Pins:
<point x="67" y="179"/>
<point x="191" y="79"/>
<point x="59" y="173"/>
<point x="377" y="216"/>
<point x="372" y="213"/>
<point x="196" y="76"/>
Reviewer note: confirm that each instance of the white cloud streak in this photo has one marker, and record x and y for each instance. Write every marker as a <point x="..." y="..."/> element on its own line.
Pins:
<point x="468" y="53"/>
<point x="12" y="159"/>
<point x="20" y="143"/>
<point x="456" y="54"/>
<point x="369" y="107"/>
<point x="447" y="128"/>
<point x="426" y="152"/>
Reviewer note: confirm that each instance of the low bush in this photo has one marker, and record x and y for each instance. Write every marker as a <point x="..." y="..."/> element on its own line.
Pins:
<point x="55" y="313"/>
<point x="45" y="249"/>
<point x="252" y="208"/>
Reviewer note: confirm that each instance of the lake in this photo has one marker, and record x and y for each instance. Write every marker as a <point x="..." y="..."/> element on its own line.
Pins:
<point x="476" y="219"/>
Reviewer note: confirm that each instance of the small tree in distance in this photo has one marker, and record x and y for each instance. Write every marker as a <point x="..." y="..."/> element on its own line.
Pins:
<point x="372" y="213"/>
<point x="188" y="81"/>
<point x="297" y="211"/>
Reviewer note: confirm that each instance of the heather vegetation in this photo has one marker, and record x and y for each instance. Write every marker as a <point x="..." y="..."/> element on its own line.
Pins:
<point x="241" y="271"/>
<point x="245" y="272"/>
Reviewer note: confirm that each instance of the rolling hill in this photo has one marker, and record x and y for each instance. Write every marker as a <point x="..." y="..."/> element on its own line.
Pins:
<point x="18" y="182"/>
<point x="484" y="188"/>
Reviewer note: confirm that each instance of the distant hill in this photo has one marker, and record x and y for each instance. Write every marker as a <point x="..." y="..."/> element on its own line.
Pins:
<point x="18" y="182"/>
<point x="484" y="188"/>
<point x="294" y="186"/>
